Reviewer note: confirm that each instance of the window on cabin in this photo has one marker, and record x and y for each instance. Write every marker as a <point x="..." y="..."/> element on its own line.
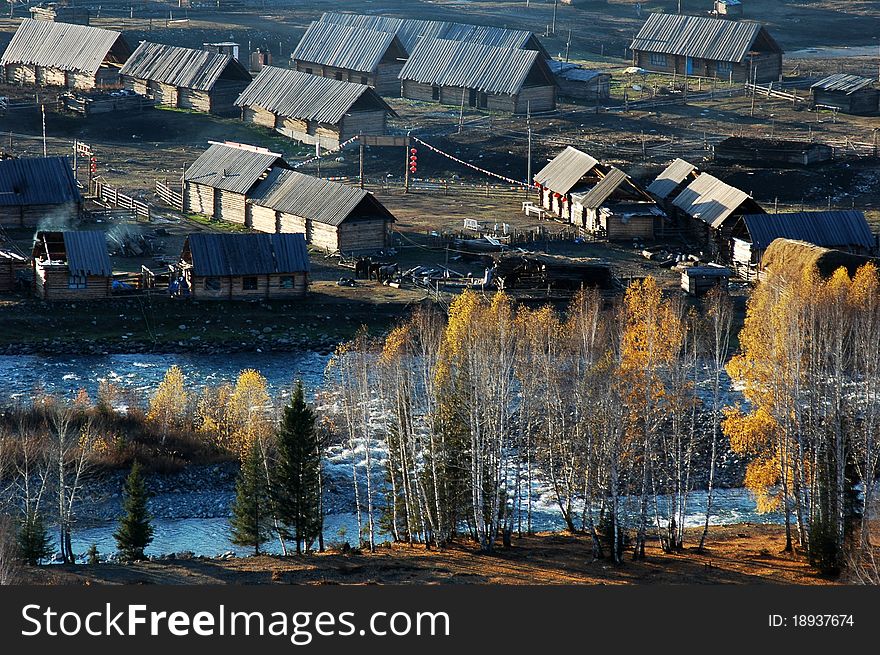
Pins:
<point x="286" y="282"/>
<point x="76" y="282"/>
<point x="249" y="283"/>
<point x="658" y="59"/>
<point x="212" y="284"/>
<point x="723" y="66"/>
<point x="309" y="71"/>
<point x="435" y="93"/>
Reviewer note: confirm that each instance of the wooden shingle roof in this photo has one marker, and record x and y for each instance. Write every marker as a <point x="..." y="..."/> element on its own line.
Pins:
<point x="220" y="255"/>
<point x="348" y="47"/>
<point x="181" y="67"/>
<point x="232" y="167"/>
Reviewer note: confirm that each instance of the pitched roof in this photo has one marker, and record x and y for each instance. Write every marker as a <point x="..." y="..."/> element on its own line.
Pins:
<point x="61" y="45"/>
<point x="599" y="194"/>
<point x="830" y="229"/>
<point x="182" y="67"/>
<point x="673" y="175"/>
<point x="231" y="167"/>
<point x="344" y="46"/>
<point x="218" y="255"/>
<point x="710" y="200"/>
<point x="410" y="31"/>
<point x="442" y="62"/>
<point x="85" y="251"/>
<point x="39" y="181"/>
<point x="843" y="82"/>
<point x="311" y="197"/>
<point x="565" y="170"/>
<point x="694" y="36"/>
<point x="310" y="97"/>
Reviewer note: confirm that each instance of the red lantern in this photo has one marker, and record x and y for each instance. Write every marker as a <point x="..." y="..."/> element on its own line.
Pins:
<point x="413" y="151"/>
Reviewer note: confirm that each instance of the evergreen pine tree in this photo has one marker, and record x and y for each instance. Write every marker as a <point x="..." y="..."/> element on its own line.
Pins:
<point x="297" y="474"/>
<point x="135" y="531"/>
<point x="34" y="544"/>
<point x="251" y="520"/>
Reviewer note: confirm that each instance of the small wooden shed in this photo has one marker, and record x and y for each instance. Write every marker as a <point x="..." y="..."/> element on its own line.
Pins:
<point x="851" y="94"/>
<point x="13" y="268"/>
<point x="72" y="265"/>
<point x="571" y="171"/>
<point x="313" y="109"/>
<point x="186" y="78"/>
<point x="46" y="53"/>
<point x="38" y="189"/>
<point x="352" y="54"/>
<point x="699" y="280"/>
<point x="578" y="83"/>
<point x="218" y="183"/>
<point x="244" y="266"/>
<point x="332" y="216"/>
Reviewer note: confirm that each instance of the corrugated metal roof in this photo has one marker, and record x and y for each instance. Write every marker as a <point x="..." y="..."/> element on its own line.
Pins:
<point x="710" y="200"/>
<point x="181" y="67"/>
<point x="442" y="62"/>
<point x="64" y="46"/>
<point x="829" y="229"/>
<point x="410" y="31"/>
<point x="715" y="39"/>
<point x="85" y="251"/>
<point x="565" y="170"/>
<point x="43" y="181"/>
<point x="294" y="94"/>
<point x="313" y="198"/>
<point x="344" y="46"/>
<point x="843" y="82"/>
<point x="219" y="255"/>
<point x="232" y="168"/>
<point x="670" y="178"/>
<point x="596" y="197"/>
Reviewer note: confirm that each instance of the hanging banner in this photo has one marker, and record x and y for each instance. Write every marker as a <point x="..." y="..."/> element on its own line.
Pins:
<point x="509" y="180"/>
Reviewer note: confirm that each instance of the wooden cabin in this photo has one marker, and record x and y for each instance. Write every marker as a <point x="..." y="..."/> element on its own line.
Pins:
<point x="45" y="53"/>
<point x="479" y="76"/>
<point x="672" y="181"/>
<point x="37" y="190"/>
<point x="571" y="171"/>
<point x="410" y="31"/>
<point x="185" y="78"/>
<point x="616" y="209"/>
<point x="313" y="109"/>
<point x="14" y="269"/>
<point x="699" y="280"/>
<point x="851" y="94"/>
<point x="707" y="47"/>
<point x="218" y="183"/>
<point x="352" y="54"/>
<point x="60" y="13"/>
<point x="243" y="266"/>
<point x="846" y="231"/>
<point x="710" y="209"/>
<point x="772" y="152"/>
<point x="333" y="217"/>
<point x="579" y="84"/>
<point x="72" y="266"/>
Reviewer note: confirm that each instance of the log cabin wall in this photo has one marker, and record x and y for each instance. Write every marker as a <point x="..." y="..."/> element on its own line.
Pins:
<point x="264" y="219"/>
<point x="362" y="236"/>
<point x="229" y="206"/>
<point x="285" y="285"/>
<point x="363" y="122"/>
<point x="534" y="98"/>
<point x="31" y="215"/>
<point x="52" y="282"/>
<point x="199" y="199"/>
<point x="259" y="116"/>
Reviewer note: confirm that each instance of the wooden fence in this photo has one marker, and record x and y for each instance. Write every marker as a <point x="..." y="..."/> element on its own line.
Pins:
<point x="114" y="198"/>
<point x="169" y="196"/>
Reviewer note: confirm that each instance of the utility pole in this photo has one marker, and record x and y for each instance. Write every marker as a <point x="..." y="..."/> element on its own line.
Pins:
<point x="361" y="149"/>
<point x="43" y="112"/>
<point x="568" y="45"/>
<point x="461" y="111"/>
<point x="529" y="160"/>
<point x="555" y="5"/>
<point x="406" y="143"/>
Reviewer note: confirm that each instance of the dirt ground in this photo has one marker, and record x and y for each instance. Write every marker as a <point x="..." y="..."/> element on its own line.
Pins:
<point x="737" y="554"/>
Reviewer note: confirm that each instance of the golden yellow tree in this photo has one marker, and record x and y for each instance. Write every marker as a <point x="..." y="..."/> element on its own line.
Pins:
<point x="249" y="411"/>
<point x="168" y="405"/>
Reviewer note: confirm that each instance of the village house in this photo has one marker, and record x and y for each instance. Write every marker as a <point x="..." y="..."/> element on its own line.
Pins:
<point x="185" y="78"/>
<point x="218" y="183"/>
<point x="699" y="280"/>
<point x="352" y="54"/>
<point x="37" y="190"/>
<point x="313" y="109"/>
<point x="243" y="266"/>
<point x="707" y="47"/>
<point x="14" y="267"/>
<point x="711" y="209"/>
<point x="851" y="94"/>
<point x="332" y="216"/>
<point x="481" y="76"/>
<point x="571" y="171"/>
<point x="578" y="83"/>
<point x="672" y="181"/>
<point x="617" y="208"/>
<point x="752" y="234"/>
<point x="410" y="31"/>
<point x="72" y="265"/>
<point x="45" y="53"/>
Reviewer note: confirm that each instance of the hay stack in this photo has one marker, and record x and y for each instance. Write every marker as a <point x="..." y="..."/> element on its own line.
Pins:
<point x="791" y="258"/>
